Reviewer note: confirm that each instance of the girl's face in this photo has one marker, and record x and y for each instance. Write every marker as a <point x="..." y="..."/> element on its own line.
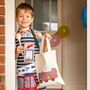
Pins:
<point x="24" y="18"/>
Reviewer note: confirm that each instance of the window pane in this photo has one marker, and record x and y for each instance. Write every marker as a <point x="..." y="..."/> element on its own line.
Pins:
<point x="41" y="8"/>
<point x="54" y="17"/>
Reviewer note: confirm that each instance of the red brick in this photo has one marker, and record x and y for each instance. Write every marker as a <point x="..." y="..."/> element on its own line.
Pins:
<point x="2" y="11"/>
<point x="2" y="59"/>
<point x="2" y="49"/>
<point x="2" y="79"/>
<point x="2" y="20"/>
<point x="2" y="30"/>
<point x="2" y="87"/>
<point x="2" y="2"/>
<point x="2" y="69"/>
<point x="2" y="39"/>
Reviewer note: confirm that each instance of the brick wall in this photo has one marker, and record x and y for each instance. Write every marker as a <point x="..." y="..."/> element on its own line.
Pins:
<point x="2" y="44"/>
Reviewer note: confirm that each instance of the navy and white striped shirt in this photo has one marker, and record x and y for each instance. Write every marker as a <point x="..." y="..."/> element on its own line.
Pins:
<point x="26" y="38"/>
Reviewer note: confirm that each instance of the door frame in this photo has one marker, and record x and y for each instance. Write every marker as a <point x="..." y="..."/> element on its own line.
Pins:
<point x="10" y="45"/>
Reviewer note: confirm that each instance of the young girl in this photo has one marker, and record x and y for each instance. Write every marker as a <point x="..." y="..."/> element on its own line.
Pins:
<point x="27" y="45"/>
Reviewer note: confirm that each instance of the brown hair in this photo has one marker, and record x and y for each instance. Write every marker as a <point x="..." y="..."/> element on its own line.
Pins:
<point x="26" y="7"/>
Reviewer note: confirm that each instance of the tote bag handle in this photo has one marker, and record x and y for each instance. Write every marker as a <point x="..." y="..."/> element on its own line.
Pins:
<point x="47" y="45"/>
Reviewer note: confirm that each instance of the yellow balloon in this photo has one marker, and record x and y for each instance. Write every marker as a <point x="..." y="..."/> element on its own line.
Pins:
<point x="63" y="31"/>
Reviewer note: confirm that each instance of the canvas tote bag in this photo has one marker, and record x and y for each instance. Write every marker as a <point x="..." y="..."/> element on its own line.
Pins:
<point x="47" y="68"/>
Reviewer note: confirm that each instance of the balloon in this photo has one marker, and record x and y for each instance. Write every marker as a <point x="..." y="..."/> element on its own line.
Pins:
<point x="55" y="40"/>
<point x="84" y="16"/>
<point x="63" y="31"/>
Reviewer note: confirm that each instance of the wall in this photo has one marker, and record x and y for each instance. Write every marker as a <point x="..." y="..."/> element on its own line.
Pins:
<point x="10" y="45"/>
<point x="74" y="47"/>
<point x="2" y="45"/>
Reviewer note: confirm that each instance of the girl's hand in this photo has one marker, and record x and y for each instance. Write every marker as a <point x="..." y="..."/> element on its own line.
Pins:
<point x="19" y="50"/>
<point x="47" y="35"/>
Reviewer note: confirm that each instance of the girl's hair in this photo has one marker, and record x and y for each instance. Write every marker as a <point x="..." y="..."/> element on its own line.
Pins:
<point x="26" y="7"/>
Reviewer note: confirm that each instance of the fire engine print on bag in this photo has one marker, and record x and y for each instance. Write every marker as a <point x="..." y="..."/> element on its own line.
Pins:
<point x="49" y="75"/>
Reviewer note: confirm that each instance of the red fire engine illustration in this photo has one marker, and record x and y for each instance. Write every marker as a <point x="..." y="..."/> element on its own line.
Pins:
<point x="50" y="75"/>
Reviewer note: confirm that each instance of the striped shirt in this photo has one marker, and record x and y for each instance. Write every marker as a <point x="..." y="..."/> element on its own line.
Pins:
<point x="27" y="37"/>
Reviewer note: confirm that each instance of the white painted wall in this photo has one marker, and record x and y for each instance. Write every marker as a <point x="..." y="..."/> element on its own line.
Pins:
<point x="10" y="45"/>
<point x="74" y="47"/>
<point x="88" y="45"/>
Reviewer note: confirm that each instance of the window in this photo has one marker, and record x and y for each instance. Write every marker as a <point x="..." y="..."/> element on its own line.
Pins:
<point x="45" y="14"/>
